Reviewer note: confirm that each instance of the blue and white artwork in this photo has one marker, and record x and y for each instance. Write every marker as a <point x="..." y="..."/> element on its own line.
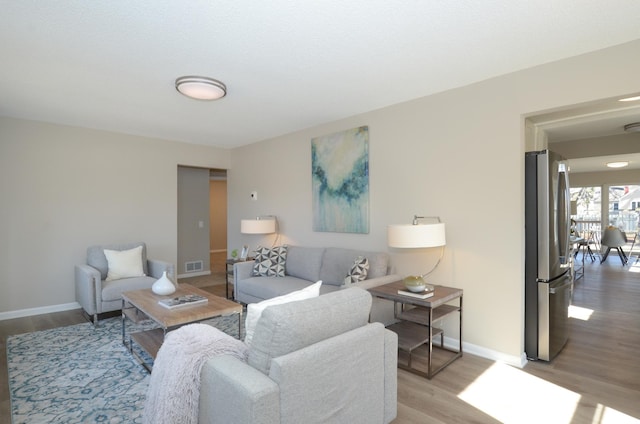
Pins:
<point x="340" y="177"/>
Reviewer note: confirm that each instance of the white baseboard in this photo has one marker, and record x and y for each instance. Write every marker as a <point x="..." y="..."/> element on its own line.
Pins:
<point x="486" y="353"/>
<point x="194" y="274"/>
<point x="38" y="311"/>
<point x="449" y="342"/>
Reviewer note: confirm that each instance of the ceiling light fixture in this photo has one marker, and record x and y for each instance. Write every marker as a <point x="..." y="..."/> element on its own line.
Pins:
<point x="620" y="164"/>
<point x="634" y="127"/>
<point x="630" y="99"/>
<point x="201" y="88"/>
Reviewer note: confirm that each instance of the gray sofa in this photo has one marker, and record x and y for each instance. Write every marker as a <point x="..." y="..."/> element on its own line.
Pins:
<point x="311" y="361"/>
<point x="306" y="265"/>
<point x="97" y="296"/>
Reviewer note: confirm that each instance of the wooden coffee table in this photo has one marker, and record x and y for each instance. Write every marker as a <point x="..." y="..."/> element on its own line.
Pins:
<point x="138" y="305"/>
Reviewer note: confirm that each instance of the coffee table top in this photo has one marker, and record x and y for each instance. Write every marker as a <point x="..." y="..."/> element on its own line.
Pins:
<point x="147" y="301"/>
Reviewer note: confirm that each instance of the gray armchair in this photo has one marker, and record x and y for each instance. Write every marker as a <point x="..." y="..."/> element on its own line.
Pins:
<point x="96" y="295"/>
<point x="310" y="361"/>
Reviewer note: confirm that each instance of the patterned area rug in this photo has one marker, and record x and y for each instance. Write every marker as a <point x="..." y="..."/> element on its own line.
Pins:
<point x="81" y="374"/>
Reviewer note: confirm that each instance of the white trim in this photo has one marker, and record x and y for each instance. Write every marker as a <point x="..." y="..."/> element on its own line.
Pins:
<point x="449" y="342"/>
<point x="483" y="352"/>
<point x="194" y="274"/>
<point x="38" y="311"/>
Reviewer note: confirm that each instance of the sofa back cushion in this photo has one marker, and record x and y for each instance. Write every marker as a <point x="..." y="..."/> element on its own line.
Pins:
<point x="255" y="310"/>
<point x="304" y="262"/>
<point x="289" y="327"/>
<point x="97" y="259"/>
<point x="337" y="262"/>
<point x="338" y="380"/>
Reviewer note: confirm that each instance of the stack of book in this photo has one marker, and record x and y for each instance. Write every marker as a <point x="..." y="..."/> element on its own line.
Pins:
<point x="418" y="295"/>
<point x="183" y="301"/>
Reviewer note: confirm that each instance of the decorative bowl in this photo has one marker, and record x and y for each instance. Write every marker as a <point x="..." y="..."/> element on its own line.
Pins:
<point x="414" y="284"/>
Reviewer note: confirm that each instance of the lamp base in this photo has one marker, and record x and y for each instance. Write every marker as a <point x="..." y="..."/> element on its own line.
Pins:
<point x="416" y="284"/>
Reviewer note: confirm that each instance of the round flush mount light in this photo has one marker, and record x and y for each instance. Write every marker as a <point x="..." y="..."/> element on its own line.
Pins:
<point x="201" y="88"/>
<point x="620" y="164"/>
<point x="634" y="127"/>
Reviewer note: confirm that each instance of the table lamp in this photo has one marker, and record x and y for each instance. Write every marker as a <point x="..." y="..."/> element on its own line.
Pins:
<point x="267" y="224"/>
<point x="417" y="235"/>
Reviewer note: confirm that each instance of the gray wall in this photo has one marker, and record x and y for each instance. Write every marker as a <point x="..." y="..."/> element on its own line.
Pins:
<point x="457" y="154"/>
<point x="193" y="211"/>
<point x="65" y="188"/>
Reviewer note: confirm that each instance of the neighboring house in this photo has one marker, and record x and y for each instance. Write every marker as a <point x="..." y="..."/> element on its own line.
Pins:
<point x="630" y="201"/>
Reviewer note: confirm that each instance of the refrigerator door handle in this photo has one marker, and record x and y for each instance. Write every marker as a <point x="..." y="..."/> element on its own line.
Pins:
<point x="565" y="209"/>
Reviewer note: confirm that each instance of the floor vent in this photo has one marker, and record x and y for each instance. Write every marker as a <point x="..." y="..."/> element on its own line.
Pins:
<point x="193" y="266"/>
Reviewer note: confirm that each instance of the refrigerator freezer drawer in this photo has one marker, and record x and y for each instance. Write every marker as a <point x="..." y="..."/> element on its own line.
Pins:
<point x="553" y="316"/>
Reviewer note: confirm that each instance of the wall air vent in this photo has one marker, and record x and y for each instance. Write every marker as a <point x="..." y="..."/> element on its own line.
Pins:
<point x="193" y="266"/>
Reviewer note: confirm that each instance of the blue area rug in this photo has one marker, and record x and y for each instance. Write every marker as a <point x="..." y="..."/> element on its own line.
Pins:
<point x="81" y="374"/>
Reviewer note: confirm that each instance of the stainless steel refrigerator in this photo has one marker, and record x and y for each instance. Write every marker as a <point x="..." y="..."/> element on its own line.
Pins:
<point x="548" y="254"/>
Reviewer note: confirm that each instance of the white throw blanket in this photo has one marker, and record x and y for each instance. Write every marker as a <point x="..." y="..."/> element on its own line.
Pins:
<point x="174" y="386"/>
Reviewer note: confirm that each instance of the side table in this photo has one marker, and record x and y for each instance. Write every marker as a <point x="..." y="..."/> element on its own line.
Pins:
<point x="229" y="273"/>
<point x="417" y="319"/>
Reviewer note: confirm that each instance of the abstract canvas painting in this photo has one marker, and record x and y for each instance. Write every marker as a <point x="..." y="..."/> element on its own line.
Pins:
<point x="340" y="177"/>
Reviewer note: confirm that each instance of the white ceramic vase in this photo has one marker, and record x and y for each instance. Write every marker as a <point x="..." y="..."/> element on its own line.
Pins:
<point x="163" y="285"/>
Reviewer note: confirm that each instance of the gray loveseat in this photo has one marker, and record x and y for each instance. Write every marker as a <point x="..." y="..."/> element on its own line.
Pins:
<point x="311" y="361"/>
<point x="306" y="265"/>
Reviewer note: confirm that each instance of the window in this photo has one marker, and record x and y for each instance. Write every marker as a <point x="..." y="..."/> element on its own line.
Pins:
<point x="623" y="201"/>
<point x="588" y="202"/>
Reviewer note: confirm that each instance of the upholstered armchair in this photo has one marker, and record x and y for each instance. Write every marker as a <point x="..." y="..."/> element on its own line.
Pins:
<point x="113" y="269"/>
<point x="310" y="361"/>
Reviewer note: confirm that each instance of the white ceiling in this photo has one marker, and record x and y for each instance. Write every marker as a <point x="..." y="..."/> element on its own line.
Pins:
<point x="288" y="65"/>
<point x="596" y="120"/>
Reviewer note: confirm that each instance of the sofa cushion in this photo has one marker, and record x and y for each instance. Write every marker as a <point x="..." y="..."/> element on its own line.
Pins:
<point x="289" y="327"/>
<point x="254" y="310"/>
<point x="338" y="380"/>
<point x="97" y="259"/>
<point x="359" y="270"/>
<point x="124" y="263"/>
<point x="337" y="262"/>
<point x="378" y="264"/>
<point x="112" y="290"/>
<point x="268" y="287"/>
<point x="270" y="262"/>
<point x="304" y="262"/>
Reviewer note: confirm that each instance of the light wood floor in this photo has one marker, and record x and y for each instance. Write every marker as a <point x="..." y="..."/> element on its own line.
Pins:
<point x="596" y="378"/>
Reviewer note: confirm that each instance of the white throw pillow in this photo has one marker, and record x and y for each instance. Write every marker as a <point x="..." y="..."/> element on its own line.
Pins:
<point x="254" y="310"/>
<point x="124" y="263"/>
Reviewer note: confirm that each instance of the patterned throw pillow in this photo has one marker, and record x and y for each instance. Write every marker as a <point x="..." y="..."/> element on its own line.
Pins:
<point x="359" y="270"/>
<point x="270" y="262"/>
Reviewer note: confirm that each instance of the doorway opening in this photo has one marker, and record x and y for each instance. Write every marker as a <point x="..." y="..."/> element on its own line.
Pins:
<point x="202" y="225"/>
<point x="218" y="224"/>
